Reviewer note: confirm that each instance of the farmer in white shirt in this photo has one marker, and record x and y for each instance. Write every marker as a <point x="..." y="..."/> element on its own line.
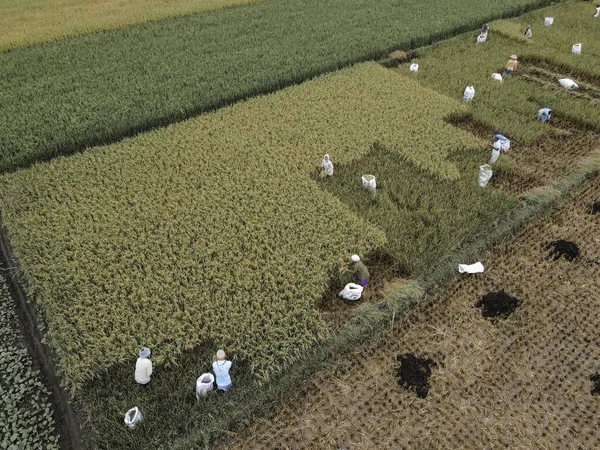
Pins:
<point x="501" y="143"/>
<point x="327" y="166"/>
<point x="143" y="367"/>
<point x="221" y="369"/>
<point x="597" y="13"/>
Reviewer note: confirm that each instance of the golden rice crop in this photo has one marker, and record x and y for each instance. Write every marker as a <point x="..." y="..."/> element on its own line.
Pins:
<point x="213" y="230"/>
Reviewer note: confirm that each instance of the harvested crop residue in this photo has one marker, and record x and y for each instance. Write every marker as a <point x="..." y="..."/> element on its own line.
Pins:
<point x="497" y="305"/>
<point x="414" y="373"/>
<point x="523" y="383"/>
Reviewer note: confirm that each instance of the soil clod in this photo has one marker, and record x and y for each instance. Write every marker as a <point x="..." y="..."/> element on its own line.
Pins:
<point x="595" y="208"/>
<point x="595" y="379"/>
<point x="414" y="373"/>
<point x="497" y="305"/>
<point x="567" y="249"/>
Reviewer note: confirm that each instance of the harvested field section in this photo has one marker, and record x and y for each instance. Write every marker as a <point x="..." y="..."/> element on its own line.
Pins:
<point x="551" y="157"/>
<point x="525" y="382"/>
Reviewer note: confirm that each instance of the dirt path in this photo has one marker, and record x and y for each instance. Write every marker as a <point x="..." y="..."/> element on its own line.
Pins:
<point x="522" y="382"/>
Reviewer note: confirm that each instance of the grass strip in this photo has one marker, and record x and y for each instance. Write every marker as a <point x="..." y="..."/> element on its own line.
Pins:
<point x="64" y="97"/>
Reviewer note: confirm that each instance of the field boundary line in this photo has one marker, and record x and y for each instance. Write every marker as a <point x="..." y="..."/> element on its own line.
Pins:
<point x="67" y="424"/>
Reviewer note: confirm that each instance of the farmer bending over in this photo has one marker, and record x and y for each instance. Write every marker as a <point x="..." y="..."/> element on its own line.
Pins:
<point x="143" y="367"/>
<point x="501" y="143"/>
<point x="528" y="33"/>
<point x="362" y="274"/>
<point x="597" y="13"/>
<point x="221" y="369"/>
<point x="544" y="115"/>
<point x="511" y="66"/>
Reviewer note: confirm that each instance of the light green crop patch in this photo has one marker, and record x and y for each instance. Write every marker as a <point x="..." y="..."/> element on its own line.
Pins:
<point x="213" y="231"/>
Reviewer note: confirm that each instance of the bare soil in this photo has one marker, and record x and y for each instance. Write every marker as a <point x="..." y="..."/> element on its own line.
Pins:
<point x="414" y="373"/>
<point x="523" y="383"/>
<point x="497" y="305"/>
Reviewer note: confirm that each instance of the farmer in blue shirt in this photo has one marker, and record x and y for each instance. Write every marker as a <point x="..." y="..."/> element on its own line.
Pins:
<point x="221" y="369"/>
<point x="544" y="114"/>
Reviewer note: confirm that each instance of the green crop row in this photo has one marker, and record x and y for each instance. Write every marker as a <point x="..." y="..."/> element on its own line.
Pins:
<point x="511" y="107"/>
<point x="213" y="230"/>
<point x="63" y="97"/>
<point x="25" y="23"/>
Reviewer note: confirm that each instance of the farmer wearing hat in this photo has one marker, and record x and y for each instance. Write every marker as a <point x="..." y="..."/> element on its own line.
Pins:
<point x="221" y="369"/>
<point x="143" y="367"/>
<point x="511" y="66"/>
<point x="327" y="166"/>
<point x="362" y="274"/>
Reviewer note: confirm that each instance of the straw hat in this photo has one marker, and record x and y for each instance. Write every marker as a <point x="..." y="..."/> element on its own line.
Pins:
<point x="513" y="57"/>
<point x="145" y="352"/>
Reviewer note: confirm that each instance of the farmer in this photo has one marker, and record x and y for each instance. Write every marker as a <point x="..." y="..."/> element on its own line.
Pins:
<point x="500" y="143"/>
<point x="597" y="13"/>
<point x="362" y="274"/>
<point x="485" y="29"/>
<point x="221" y="369"/>
<point x="143" y="367"/>
<point x="327" y="166"/>
<point x="544" y="115"/>
<point x="511" y="66"/>
<point x="528" y="33"/>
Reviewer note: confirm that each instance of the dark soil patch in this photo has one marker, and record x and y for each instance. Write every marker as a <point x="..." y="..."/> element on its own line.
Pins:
<point x="595" y="379"/>
<point x="595" y="208"/>
<point x="567" y="249"/>
<point x="414" y="373"/>
<point x="497" y="305"/>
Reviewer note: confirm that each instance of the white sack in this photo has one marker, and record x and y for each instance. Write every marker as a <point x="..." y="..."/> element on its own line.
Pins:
<point x="414" y="67"/>
<point x="485" y="173"/>
<point x="469" y="93"/>
<point x="133" y="416"/>
<point x="369" y="182"/>
<point x="481" y="38"/>
<point x="497" y="77"/>
<point x="351" y="291"/>
<point x="576" y="49"/>
<point x="204" y="384"/>
<point x="471" y="268"/>
<point x="548" y="21"/>
<point x="568" y="83"/>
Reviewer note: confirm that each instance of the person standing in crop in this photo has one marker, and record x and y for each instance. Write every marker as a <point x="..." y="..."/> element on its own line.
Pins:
<point x="528" y="33"/>
<point x="511" y="66"/>
<point x="362" y="274"/>
<point x="221" y="369"/>
<point x="500" y="143"/>
<point x="143" y="367"/>
<point x="327" y="166"/>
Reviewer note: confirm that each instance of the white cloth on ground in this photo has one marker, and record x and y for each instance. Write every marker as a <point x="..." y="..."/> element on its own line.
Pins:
<point x="471" y="268"/>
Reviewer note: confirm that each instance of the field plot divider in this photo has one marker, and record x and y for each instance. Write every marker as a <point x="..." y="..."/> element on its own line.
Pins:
<point x="70" y="433"/>
<point x="372" y="320"/>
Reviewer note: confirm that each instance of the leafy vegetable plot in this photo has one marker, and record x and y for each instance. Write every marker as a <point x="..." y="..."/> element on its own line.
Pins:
<point x="25" y="409"/>
<point x="212" y="230"/>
